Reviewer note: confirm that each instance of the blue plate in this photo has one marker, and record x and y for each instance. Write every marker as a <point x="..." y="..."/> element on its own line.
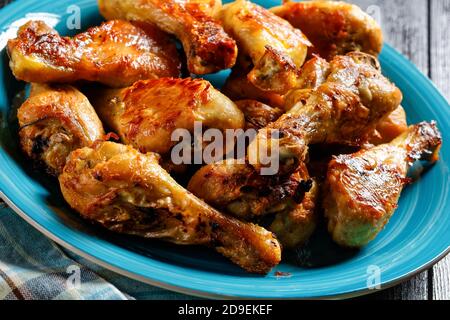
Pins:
<point x="416" y="238"/>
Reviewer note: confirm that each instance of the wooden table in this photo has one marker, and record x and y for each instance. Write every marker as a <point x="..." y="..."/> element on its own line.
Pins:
<point x="420" y="29"/>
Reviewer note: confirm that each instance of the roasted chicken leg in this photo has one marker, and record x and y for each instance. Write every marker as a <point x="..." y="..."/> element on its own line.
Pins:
<point x="54" y="121"/>
<point x="242" y="192"/>
<point x="117" y="53"/>
<point x="276" y="49"/>
<point x="208" y="48"/>
<point x="363" y="189"/>
<point x="128" y="192"/>
<point x="333" y="27"/>
<point x="344" y="109"/>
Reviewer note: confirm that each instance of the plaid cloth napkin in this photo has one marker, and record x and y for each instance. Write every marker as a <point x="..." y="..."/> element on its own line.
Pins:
<point x="33" y="267"/>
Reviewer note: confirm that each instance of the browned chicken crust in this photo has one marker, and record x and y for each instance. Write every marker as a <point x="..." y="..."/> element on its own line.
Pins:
<point x="313" y="74"/>
<point x="54" y="121"/>
<point x="333" y="27"/>
<point x="390" y="127"/>
<point x="276" y="49"/>
<point x="146" y="114"/>
<point x="128" y="192"/>
<point x="295" y="225"/>
<point x="257" y="114"/>
<point x="237" y="87"/>
<point x="363" y="189"/>
<point x="116" y="53"/>
<point x="345" y="109"/>
<point x="208" y="48"/>
<point x="242" y="191"/>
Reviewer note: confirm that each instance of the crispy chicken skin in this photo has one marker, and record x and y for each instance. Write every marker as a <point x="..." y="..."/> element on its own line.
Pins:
<point x="344" y="109"/>
<point x="276" y="49"/>
<point x="333" y="27"/>
<point x="363" y="189"/>
<point x="242" y="191"/>
<point x="208" y="48"/>
<point x="295" y="225"/>
<point x="128" y="192"/>
<point x="313" y="74"/>
<point x="54" y="121"/>
<point x="146" y="114"/>
<point x="116" y="53"/>
<point x="257" y="114"/>
<point x="390" y="127"/>
<point x="238" y="87"/>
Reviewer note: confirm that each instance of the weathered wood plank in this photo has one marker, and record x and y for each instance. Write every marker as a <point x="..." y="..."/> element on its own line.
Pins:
<point x="414" y="289"/>
<point x="441" y="280"/>
<point x="440" y="73"/>
<point x="405" y="27"/>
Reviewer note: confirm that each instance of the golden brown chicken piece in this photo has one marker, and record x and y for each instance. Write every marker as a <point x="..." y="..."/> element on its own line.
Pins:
<point x="54" y="121"/>
<point x="295" y="225"/>
<point x="276" y="49"/>
<point x="257" y="114"/>
<point x="208" y="48"/>
<point x="146" y="114"/>
<point x="345" y="109"/>
<point x="333" y="27"/>
<point x="363" y="189"/>
<point x="128" y="192"/>
<point x="242" y="191"/>
<point x="313" y="74"/>
<point x="237" y="87"/>
<point x="117" y="53"/>
<point x="390" y="127"/>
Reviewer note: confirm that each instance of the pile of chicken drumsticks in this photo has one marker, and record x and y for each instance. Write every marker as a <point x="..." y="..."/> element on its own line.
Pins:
<point x="307" y="70"/>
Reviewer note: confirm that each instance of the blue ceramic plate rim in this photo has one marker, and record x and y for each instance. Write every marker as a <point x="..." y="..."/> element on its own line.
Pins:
<point x="189" y="281"/>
